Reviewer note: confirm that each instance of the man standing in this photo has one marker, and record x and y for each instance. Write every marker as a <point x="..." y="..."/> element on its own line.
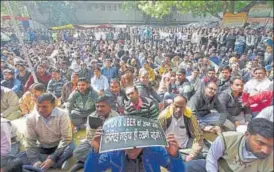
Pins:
<point x="140" y="106"/>
<point x="180" y="121"/>
<point x="81" y="103"/>
<point x="49" y="141"/>
<point x="233" y="151"/>
<point x="103" y="111"/>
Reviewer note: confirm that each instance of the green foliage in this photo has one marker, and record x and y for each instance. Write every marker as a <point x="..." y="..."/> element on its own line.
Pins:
<point x="160" y="9"/>
<point x="16" y="6"/>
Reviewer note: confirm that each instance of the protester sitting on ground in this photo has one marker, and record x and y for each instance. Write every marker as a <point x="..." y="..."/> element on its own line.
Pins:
<point x="109" y="71"/>
<point x="258" y="92"/>
<point x="8" y="138"/>
<point x="137" y="159"/>
<point x="223" y="82"/>
<point x="181" y="87"/>
<point x="117" y="96"/>
<point x="103" y="111"/>
<point x="210" y="76"/>
<point x="11" y="82"/>
<point x="69" y="86"/>
<point x="81" y="103"/>
<point x="140" y="106"/>
<point x="56" y="83"/>
<point x="195" y="79"/>
<point x="42" y="77"/>
<point x="266" y="113"/>
<point x="178" y="119"/>
<point x="238" y="152"/>
<point x="207" y="108"/>
<point x="144" y="87"/>
<point x="99" y="82"/>
<point x="231" y="98"/>
<point x="28" y="100"/>
<point x="9" y="104"/>
<point x="23" y="74"/>
<point x="49" y="142"/>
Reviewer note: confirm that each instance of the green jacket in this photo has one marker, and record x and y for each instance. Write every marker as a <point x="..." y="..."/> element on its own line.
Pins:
<point x="84" y="103"/>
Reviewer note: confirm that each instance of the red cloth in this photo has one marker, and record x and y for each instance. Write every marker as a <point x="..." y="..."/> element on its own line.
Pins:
<point x="44" y="79"/>
<point x="258" y="101"/>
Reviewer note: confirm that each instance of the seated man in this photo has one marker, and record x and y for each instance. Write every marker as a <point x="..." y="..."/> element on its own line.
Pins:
<point x="99" y="82"/>
<point x="69" y="86"/>
<point x="49" y="141"/>
<point x="138" y="159"/>
<point x="81" y="103"/>
<point x="140" y="106"/>
<point x="9" y="104"/>
<point x="103" y="111"/>
<point x="144" y="87"/>
<point x="224" y="80"/>
<point x="208" y="109"/>
<point x="237" y="152"/>
<point x="180" y="87"/>
<point x="28" y="100"/>
<point x="11" y="82"/>
<point x="178" y="119"/>
<point x="231" y="98"/>
<point x="117" y="96"/>
<point x="258" y="92"/>
<point x="7" y="139"/>
<point x="266" y="113"/>
<point x="56" y="83"/>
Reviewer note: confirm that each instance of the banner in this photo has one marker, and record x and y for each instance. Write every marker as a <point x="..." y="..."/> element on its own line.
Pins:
<point x="128" y="132"/>
<point x="69" y="26"/>
<point x="260" y="22"/>
<point x="260" y="10"/>
<point x="234" y="20"/>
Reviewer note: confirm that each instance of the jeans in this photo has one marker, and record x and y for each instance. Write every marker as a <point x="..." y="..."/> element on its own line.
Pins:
<point x="42" y="157"/>
<point x="196" y="166"/>
<point x="81" y="152"/>
<point x="213" y="118"/>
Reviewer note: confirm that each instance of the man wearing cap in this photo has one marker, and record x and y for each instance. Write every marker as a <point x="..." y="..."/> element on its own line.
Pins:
<point x="182" y="86"/>
<point x="99" y="82"/>
<point x="11" y="82"/>
<point x="109" y="71"/>
<point x="56" y="83"/>
<point x="103" y="111"/>
<point x="81" y="103"/>
<point x="23" y="74"/>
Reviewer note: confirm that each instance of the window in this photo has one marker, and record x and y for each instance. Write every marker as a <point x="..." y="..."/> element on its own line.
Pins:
<point x="108" y="7"/>
<point x="114" y="7"/>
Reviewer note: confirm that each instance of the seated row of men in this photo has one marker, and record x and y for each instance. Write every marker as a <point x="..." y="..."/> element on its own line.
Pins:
<point x="51" y="126"/>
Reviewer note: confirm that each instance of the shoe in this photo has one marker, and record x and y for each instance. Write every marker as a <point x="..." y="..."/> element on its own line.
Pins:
<point x="65" y="165"/>
<point x="77" y="166"/>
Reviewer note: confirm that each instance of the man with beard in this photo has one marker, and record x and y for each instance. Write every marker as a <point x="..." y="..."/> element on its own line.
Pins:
<point x="103" y="111"/>
<point x="81" y="103"/>
<point x="11" y="82"/>
<point x="233" y="151"/>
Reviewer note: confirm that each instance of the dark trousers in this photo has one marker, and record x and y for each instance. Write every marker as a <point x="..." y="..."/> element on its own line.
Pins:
<point x="45" y="152"/>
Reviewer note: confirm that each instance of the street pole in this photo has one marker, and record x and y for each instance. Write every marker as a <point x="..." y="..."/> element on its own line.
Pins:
<point x="20" y="40"/>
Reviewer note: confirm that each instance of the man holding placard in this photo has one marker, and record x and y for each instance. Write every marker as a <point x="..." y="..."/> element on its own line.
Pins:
<point x="131" y="143"/>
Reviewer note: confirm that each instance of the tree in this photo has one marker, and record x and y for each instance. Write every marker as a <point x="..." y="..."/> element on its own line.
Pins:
<point x="17" y="8"/>
<point x="160" y="9"/>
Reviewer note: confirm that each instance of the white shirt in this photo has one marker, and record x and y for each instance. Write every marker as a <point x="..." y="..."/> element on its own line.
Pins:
<point x="178" y="128"/>
<point x="254" y="86"/>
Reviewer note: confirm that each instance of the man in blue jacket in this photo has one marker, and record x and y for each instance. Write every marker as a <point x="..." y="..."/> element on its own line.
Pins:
<point x="137" y="159"/>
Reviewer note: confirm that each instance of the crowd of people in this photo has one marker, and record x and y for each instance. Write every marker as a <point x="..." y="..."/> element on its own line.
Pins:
<point x="208" y="88"/>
